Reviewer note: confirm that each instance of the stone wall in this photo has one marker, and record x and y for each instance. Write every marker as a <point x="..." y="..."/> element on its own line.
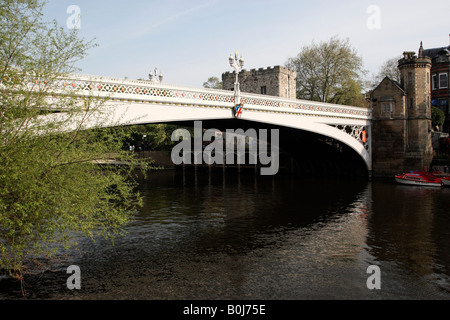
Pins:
<point x="415" y="79"/>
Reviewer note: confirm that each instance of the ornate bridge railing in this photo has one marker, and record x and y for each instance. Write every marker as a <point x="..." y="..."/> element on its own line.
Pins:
<point x="146" y="91"/>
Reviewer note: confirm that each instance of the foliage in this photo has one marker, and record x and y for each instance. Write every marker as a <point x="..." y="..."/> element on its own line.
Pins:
<point x="437" y="117"/>
<point x="327" y="71"/>
<point x="155" y="137"/>
<point x="52" y="189"/>
<point x="213" y="83"/>
<point x="349" y="94"/>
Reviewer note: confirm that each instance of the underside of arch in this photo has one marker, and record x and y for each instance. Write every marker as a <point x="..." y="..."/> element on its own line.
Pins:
<point x="140" y="113"/>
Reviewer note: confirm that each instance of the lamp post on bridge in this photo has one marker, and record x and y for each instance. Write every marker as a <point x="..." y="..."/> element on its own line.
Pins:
<point x="155" y="77"/>
<point x="237" y="63"/>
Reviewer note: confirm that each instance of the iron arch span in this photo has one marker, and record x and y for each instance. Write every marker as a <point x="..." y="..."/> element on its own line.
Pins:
<point x="327" y="123"/>
<point x="310" y="142"/>
<point x="137" y="102"/>
<point x="214" y="117"/>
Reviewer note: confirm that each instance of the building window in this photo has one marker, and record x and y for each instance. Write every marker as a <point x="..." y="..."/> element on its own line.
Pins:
<point x="264" y="90"/>
<point x="443" y="81"/>
<point x="434" y="82"/>
<point x="387" y="108"/>
<point x="410" y="78"/>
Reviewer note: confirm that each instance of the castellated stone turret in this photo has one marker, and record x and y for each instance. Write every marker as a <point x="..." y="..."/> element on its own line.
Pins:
<point x="415" y="80"/>
<point x="275" y="81"/>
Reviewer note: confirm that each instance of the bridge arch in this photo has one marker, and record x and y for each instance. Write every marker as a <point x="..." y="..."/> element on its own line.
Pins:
<point x="140" y="102"/>
<point x="219" y="118"/>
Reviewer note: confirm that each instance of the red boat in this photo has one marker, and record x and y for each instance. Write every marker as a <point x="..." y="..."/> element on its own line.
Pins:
<point x="445" y="177"/>
<point x="440" y="174"/>
<point x="423" y="179"/>
<point x="446" y="181"/>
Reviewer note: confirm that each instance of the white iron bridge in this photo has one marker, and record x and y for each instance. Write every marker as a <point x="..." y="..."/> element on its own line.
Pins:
<point x="133" y="102"/>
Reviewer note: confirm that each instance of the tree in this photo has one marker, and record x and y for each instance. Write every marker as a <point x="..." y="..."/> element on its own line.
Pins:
<point x="158" y="135"/>
<point x="213" y="83"/>
<point x="388" y="69"/>
<point x="52" y="189"/>
<point x="349" y="94"/>
<point x="437" y="118"/>
<point x="328" y="69"/>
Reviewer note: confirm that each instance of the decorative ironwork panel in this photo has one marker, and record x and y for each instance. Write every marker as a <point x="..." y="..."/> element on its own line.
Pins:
<point x="360" y="133"/>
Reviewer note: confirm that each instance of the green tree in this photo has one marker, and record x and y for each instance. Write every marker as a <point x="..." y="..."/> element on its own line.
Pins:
<point x="213" y="83"/>
<point x="158" y="135"/>
<point x="328" y="69"/>
<point x="437" y="118"/>
<point x="349" y="94"/>
<point x="52" y="189"/>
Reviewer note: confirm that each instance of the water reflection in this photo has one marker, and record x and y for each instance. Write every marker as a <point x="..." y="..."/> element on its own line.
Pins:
<point x="412" y="233"/>
<point x="276" y="238"/>
<point x="210" y="236"/>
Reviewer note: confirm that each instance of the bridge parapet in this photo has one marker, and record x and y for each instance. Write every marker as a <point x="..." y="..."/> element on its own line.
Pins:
<point x="146" y="91"/>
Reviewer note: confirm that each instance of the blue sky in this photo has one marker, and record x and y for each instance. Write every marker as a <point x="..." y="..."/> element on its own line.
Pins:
<point x="191" y="40"/>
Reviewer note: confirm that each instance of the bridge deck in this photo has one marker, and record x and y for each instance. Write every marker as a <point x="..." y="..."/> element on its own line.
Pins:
<point x="146" y="91"/>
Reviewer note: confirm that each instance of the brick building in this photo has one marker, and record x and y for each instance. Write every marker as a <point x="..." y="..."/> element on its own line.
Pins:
<point x="440" y="89"/>
<point x="276" y="81"/>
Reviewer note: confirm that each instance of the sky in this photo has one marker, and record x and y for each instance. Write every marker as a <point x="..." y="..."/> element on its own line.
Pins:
<point x="191" y="40"/>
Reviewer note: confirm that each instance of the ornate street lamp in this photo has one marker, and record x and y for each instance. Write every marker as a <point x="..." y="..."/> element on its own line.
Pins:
<point x="237" y="64"/>
<point x="155" y="77"/>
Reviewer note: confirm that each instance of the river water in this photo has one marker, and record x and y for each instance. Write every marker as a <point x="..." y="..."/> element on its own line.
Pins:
<point x="219" y="237"/>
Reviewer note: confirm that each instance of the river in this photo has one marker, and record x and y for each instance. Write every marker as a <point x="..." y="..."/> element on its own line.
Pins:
<point x="219" y="237"/>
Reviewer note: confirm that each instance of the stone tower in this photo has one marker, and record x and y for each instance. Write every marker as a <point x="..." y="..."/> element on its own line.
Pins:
<point x="277" y="81"/>
<point x="401" y="134"/>
<point x="415" y="79"/>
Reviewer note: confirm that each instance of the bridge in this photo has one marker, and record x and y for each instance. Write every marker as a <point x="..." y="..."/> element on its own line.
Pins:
<point x="134" y="102"/>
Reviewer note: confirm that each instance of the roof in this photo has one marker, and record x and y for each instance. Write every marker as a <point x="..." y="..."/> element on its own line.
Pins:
<point x="395" y="85"/>
<point x="433" y="53"/>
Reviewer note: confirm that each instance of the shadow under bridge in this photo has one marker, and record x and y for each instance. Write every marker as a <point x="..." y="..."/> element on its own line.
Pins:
<point x="301" y="152"/>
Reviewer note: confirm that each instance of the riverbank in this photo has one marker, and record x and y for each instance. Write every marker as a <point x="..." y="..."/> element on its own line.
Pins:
<point x="161" y="159"/>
